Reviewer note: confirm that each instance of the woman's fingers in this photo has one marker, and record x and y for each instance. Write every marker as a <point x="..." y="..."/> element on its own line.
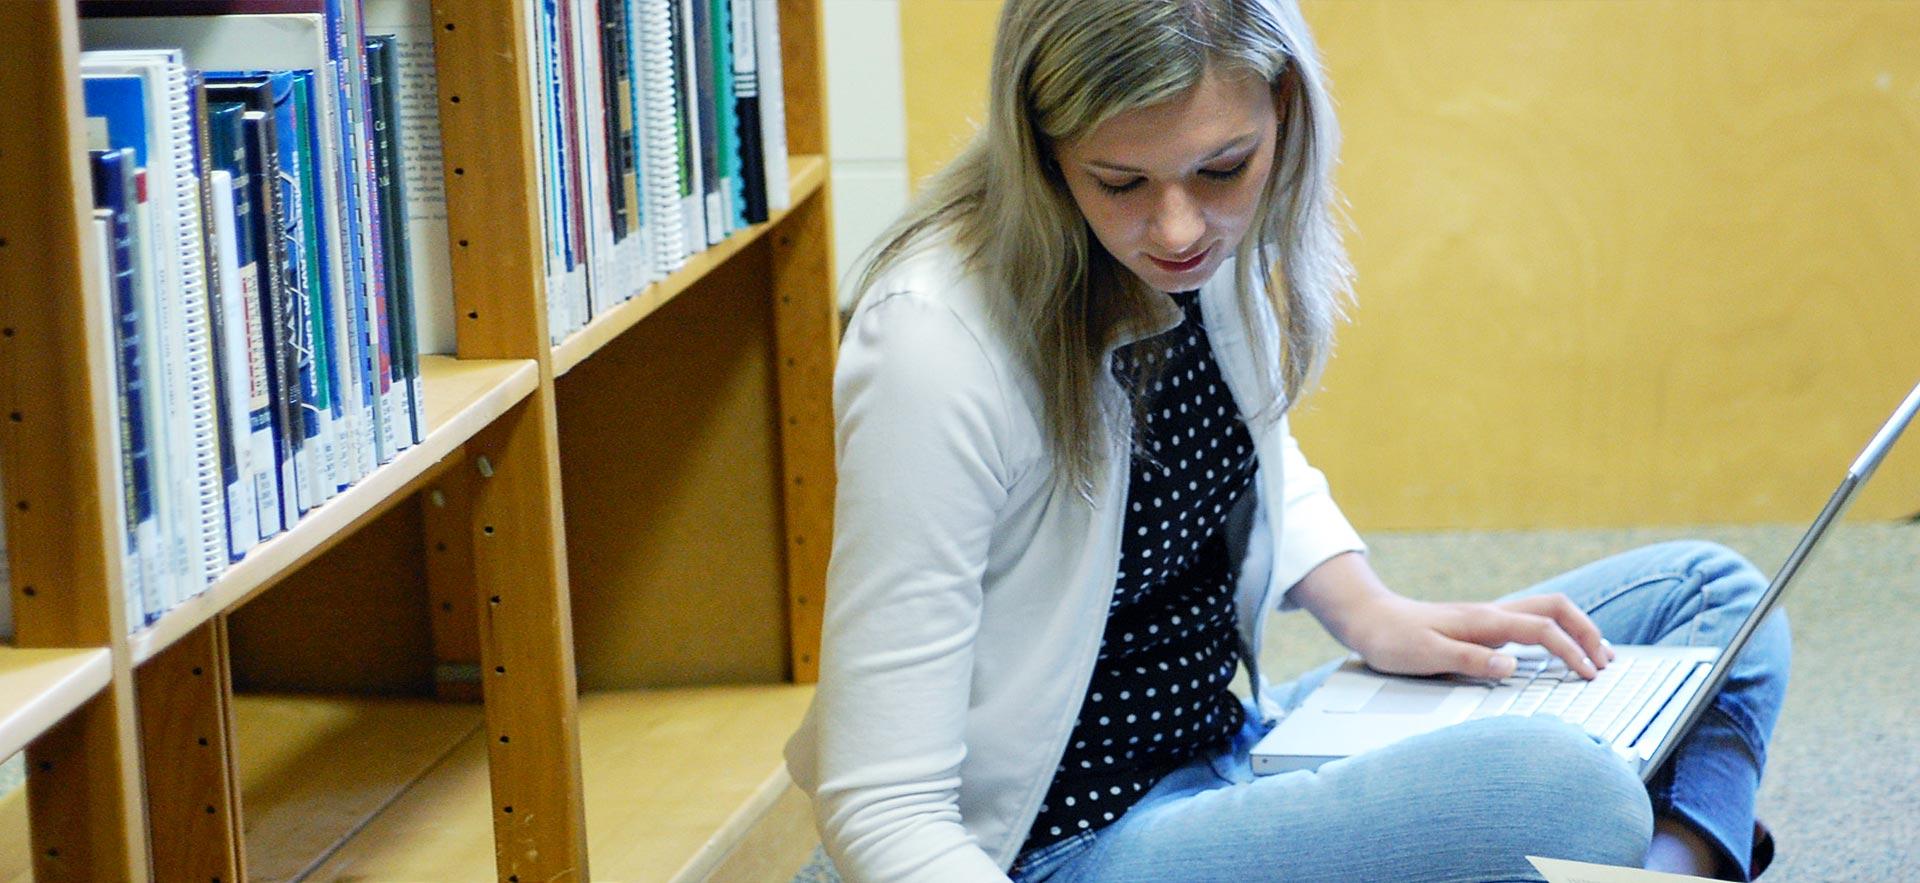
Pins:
<point x="1494" y="625"/>
<point x="1571" y="619"/>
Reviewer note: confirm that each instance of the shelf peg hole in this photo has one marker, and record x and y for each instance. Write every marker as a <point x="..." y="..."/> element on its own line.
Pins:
<point x="455" y="99"/>
<point x="211" y="810"/>
<point x="499" y="669"/>
<point x="16" y="416"/>
<point x="488" y="530"/>
<point x="203" y="741"/>
<point x="507" y="809"/>
<point x="198" y="671"/>
<point x="449" y="26"/>
<point x="494" y="600"/>
<point x="463" y="244"/>
<point x="29" y="591"/>
<point x="459" y="172"/>
<point x="504" y="740"/>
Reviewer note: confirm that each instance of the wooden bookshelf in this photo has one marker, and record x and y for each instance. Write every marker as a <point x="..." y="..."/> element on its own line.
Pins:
<point x="142" y="760"/>
<point x="40" y="687"/>
<point x="808" y="175"/>
<point x="678" y="781"/>
<point x="463" y="397"/>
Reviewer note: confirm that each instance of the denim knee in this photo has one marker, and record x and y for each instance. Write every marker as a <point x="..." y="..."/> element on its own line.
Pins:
<point x="1565" y="794"/>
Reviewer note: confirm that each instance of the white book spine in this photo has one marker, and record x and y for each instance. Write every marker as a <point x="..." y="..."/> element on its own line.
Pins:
<point x="162" y="557"/>
<point x="243" y="513"/>
<point x="773" y="105"/>
<point x="698" y="237"/>
<point x="660" y="123"/>
<point x="205" y="510"/>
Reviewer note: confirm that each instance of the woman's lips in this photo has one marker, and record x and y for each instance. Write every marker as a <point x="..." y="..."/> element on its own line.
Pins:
<point x="1181" y="266"/>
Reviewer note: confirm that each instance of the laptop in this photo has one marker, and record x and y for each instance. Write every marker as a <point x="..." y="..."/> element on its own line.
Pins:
<point x="1641" y="705"/>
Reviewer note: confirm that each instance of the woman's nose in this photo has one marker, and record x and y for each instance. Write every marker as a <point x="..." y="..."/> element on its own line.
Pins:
<point x="1176" y="224"/>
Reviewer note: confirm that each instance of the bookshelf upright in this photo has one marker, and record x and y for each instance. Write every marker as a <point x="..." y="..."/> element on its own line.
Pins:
<point x="681" y="604"/>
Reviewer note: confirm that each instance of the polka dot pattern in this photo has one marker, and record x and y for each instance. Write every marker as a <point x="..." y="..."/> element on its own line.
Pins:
<point x="1159" y="690"/>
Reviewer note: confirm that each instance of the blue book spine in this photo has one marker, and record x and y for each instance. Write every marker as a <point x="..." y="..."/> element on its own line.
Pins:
<point x="114" y="189"/>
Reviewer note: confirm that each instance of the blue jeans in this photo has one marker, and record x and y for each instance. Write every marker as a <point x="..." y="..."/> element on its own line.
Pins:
<point x="1470" y="802"/>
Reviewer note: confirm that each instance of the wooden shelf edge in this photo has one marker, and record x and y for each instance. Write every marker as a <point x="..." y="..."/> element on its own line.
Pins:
<point x="807" y="175"/>
<point x="40" y="686"/>
<point x="464" y="396"/>
<point x="683" y="783"/>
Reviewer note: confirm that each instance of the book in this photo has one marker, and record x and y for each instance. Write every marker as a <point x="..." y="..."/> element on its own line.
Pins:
<point x="188" y="482"/>
<point x="383" y="84"/>
<point x="660" y="134"/>
<point x="295" y="35"/>
<point x="249" y="362"/>
<point x="773" y="105"/>
<point x="746" y="95"/>
<point x="243" y="503"/>
<point x="417" y="95"/>
<point x="116" y="197"/>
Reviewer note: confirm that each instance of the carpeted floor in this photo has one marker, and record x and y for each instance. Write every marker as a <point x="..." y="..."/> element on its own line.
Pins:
<point x="1844" y="775"/>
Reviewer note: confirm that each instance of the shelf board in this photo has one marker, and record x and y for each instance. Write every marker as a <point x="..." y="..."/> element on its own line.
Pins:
<point x="39" y="687"/>
<point x="675" y="780"/>
<point x="808" y="174"/>
<point x="315" y="769"/>
<point x="463" y="397"/>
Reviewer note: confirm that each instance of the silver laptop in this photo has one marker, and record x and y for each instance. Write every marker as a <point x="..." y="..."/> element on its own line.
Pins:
<point x="1641" y="704"/>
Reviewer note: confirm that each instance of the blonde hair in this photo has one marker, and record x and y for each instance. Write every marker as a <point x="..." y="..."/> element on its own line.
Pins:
<point x="1060" y="69"/>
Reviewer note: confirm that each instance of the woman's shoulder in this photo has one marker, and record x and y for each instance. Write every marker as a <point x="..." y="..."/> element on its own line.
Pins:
<point x="928" y="293"/>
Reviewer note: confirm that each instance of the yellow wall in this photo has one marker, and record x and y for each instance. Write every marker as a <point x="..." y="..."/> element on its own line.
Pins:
<point x="1619" y="262"/>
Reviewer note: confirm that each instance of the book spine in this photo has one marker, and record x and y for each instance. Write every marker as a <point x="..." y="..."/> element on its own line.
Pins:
<point x="692" y="162"/>
<point x="206" y="518"/>
<point x="383" y="82"/>
<point x="336" y="471"/>
<point x="726" y="123"/>
<point x="746" y="92"/>
<point x="661" y="146"/>
<point x="773" y="105"/>
<point x="158" y="551"/>
<point x="239" y="533"/>
<point x="275" y="340"/>
<point x="707" y="142"/>
<point x="230" y="331"/>
<point x="115" y="191"/>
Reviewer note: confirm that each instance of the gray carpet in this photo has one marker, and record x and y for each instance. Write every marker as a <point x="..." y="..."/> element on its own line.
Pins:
<point x="1844" y="772"/>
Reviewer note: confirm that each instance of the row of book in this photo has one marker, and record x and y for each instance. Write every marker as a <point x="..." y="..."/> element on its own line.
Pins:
<point x="660" y="128"/>
<point x="251" y="218"/>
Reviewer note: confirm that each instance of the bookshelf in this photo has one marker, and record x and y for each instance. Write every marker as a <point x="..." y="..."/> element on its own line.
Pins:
<point x="618" y="544"/>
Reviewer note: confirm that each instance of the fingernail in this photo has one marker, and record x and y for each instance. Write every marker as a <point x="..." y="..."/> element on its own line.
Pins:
<point x="1502" y="665"/>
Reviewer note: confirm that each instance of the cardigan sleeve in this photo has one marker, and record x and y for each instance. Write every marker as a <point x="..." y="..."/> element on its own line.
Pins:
<point x="920" y="421"/>
<point x="1312" y="527"/>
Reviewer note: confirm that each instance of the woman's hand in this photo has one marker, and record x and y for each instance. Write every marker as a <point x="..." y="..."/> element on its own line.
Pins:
<point x="1399" y="635"/>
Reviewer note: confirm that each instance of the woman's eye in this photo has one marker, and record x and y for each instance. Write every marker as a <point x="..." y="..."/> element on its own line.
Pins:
<point x="1227" y="174"/>
<point x="1118" y="188"/>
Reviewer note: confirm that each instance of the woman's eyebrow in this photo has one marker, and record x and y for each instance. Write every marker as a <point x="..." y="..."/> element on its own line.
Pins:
<point x="1224" y="149"/>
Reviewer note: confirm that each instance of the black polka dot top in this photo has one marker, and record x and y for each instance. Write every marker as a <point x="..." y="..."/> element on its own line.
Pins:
<point x="1159" y="690"/>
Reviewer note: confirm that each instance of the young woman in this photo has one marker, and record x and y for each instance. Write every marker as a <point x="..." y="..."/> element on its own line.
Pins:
<point x="1068" y="499"/>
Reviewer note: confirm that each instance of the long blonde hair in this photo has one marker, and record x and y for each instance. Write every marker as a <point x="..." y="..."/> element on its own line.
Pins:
<point x="1060" y="69"/>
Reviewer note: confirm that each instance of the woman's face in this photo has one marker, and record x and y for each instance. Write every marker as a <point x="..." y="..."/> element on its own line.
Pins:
<point x="1170" y="189"/>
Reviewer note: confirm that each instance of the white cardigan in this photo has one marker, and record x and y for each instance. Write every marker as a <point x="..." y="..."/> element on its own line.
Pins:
<point x="968" y="593"/>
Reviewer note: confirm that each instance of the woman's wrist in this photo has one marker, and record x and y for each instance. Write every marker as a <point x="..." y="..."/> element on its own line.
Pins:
<point x="1347" y="598"/>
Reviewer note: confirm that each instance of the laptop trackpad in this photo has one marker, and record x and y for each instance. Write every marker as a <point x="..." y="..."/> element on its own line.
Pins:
<point x="1400" y="697"/>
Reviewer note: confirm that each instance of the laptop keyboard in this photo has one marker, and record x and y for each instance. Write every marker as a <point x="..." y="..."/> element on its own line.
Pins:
<point x="1604" y="706"/>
